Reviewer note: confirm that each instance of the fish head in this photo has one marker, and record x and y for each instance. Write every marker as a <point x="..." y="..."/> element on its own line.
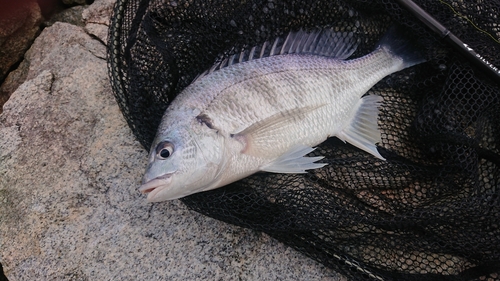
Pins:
<point x="184" y="159"/>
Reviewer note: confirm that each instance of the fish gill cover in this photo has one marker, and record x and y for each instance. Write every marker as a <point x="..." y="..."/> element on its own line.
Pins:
<point x="430" y="212"/>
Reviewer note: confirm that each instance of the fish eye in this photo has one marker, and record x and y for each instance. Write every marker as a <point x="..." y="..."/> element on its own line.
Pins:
<point x="164" y="149"/>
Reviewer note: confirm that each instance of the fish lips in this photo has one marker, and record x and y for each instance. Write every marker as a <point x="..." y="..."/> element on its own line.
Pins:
<point x="156" y="185"/>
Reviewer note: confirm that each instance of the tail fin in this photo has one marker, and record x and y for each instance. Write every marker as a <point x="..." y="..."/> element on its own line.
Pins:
<point x="396" y="42"/>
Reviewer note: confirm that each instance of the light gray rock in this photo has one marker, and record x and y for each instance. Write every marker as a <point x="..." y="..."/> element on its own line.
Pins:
<point x="96" y="18"/>
<point x="69" y="172"/>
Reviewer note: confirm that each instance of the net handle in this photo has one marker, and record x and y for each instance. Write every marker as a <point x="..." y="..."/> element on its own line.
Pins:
<point x="476" y="59"/>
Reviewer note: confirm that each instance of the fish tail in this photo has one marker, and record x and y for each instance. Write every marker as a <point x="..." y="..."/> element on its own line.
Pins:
<point x="397" y="42"/>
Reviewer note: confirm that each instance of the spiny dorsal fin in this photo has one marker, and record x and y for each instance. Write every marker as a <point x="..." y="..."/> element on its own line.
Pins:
<point x="320" y="42"/>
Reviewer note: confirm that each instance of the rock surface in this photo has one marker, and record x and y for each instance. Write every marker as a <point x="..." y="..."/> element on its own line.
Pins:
<point x="16" y="77"/>
<point x="19" y="24"/>
<point x="69" y="172"/>
<point x="71" y="15"/>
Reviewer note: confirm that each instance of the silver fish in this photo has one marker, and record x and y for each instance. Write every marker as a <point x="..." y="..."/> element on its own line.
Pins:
<point x="266" y="113"/>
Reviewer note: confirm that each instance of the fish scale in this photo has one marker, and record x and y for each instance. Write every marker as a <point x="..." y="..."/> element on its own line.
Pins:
<point x="332" y="85"/>
<point x="266" y="114"/>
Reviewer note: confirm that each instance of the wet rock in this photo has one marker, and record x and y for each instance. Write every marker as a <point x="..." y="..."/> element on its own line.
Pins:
<point x="19" y="25"/>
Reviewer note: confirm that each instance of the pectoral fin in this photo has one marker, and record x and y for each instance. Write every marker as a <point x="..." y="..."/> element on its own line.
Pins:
<point x="264" y="136"/>
<point x="294" y="161"/>
<point x="363" y="131"/>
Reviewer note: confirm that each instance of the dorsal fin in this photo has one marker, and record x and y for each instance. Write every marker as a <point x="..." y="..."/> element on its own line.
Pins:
<point x="320" y="42"/>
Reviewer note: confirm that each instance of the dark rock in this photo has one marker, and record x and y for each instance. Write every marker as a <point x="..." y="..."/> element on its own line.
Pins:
<point x="71" y="15"/>
<point x="2" y="275"/>
<point x="19" y="25"/>
<point x="76" y="2"/>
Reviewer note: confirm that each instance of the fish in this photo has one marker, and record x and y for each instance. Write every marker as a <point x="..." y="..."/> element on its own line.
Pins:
<point x="266" y="109"/>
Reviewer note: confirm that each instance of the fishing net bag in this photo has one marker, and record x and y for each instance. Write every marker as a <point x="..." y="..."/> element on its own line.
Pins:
<point x="431" y="211"/>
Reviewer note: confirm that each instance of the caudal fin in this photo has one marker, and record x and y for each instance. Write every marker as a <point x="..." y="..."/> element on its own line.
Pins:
<point x="396" y="42"/>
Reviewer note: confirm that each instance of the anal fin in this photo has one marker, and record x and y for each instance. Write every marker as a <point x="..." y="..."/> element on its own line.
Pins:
<point x="362" y="131"/>
<point x="294" y="161"/>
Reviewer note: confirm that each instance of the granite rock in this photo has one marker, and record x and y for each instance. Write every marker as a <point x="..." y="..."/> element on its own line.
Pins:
<point x="72" y="15"/>
<point x="12" y="81"/>
<point x="69" y="172"/>
<point x="97" y="17"/>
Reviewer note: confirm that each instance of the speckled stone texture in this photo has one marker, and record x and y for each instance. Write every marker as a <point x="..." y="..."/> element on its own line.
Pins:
<point x="69" y="172"/>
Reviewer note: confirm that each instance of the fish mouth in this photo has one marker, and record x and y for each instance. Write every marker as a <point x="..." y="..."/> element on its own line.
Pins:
<point x="152" y="187"/>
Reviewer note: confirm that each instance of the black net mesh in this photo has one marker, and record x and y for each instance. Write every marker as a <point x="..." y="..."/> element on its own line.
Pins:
<point x="430" y="212"/>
